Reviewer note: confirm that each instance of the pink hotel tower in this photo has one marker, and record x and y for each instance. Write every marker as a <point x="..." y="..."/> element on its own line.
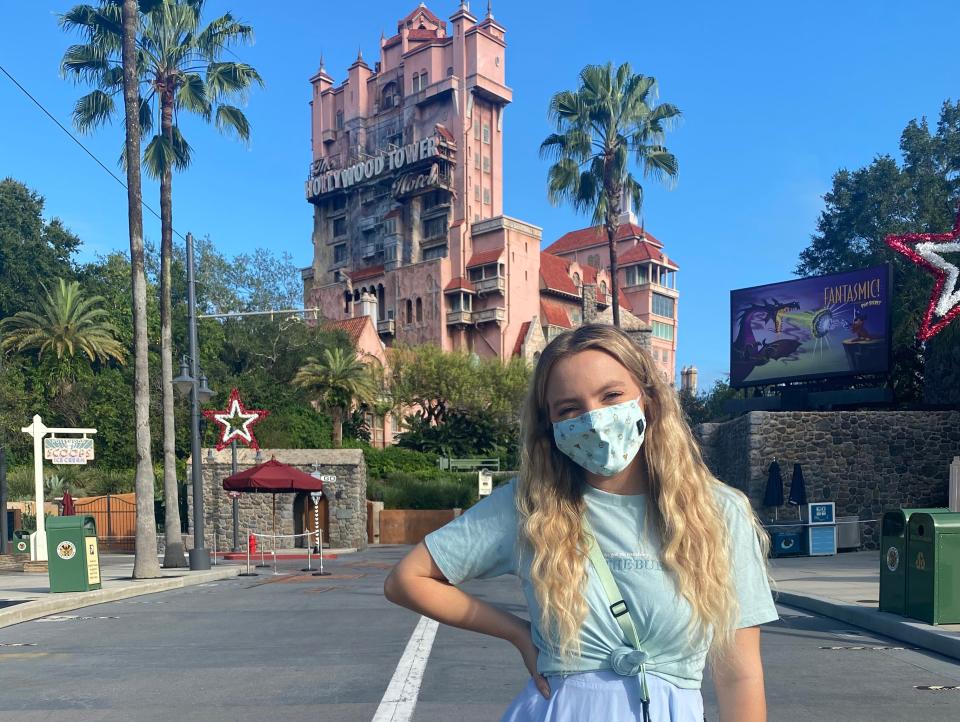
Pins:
<point x="409" y="226"/>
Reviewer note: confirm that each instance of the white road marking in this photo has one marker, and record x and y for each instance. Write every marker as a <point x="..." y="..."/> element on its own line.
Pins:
<point x="400" y="699"/>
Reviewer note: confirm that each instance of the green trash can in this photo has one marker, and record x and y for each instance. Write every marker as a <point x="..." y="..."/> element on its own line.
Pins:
<point x="933" y="567"/>
<point x="893" y="556"/>
<point x="73" y="559"/>
<point x="21" y="542"/>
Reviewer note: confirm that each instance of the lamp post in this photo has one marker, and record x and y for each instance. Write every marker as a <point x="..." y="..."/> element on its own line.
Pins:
<point x="192" y="380"/>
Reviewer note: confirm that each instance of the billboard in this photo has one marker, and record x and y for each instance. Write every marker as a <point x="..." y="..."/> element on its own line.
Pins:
<point x="818" y="327"/>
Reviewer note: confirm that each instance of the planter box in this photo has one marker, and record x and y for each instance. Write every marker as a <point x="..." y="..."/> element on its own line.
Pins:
<point x="410" y="526"/>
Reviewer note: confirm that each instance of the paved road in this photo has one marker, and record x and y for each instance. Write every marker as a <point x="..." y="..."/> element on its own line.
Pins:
<point x="324" y="649"/>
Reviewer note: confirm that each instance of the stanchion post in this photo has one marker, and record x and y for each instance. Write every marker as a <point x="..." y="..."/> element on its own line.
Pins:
<point x="309" y="548"/>
<point x="321" y="573"/>
<point x="248" y="573"/>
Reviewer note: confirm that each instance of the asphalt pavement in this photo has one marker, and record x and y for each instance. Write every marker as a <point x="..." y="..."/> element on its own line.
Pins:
<point x="325" y="649"/>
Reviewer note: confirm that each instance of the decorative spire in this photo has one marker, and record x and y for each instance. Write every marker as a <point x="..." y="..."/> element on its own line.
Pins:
<point x="322" y="68"/>
<point x="464" y="5"/>
<point x="359" y="54"/>
<point x="489" y="9"/>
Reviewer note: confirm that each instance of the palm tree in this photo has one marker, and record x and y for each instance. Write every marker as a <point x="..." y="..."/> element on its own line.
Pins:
<point x="608" y="119"/>
<point x="337" y="380"/>
<point x="145" y="564"/>
<point x="67" y="323"/>
<point x="179" y="70"/>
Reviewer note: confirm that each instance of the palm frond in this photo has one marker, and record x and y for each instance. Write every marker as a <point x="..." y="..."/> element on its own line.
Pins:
<point x="192" y="95"/>
<point x="230" y="118"/>
<point x="225" y="80"/>
<point x="92" y="110"/>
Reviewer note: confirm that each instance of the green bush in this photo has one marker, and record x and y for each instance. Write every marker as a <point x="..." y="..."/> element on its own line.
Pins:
<point x="394" y="459"/>
<point x="415" y="491"/>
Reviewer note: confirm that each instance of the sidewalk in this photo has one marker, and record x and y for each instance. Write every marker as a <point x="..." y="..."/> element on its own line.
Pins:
<point x="847" y="587"/>
<point x="25" y="596"/>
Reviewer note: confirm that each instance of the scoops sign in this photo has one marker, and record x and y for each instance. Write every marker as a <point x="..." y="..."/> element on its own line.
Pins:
<point x="68" y="451"/>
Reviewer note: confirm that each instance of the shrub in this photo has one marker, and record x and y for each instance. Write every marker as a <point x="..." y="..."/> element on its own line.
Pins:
<point x="394" y="459"/>
<point x="412" y="491"/>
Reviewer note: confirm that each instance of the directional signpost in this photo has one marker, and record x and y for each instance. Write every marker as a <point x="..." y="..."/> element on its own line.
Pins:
<point x="59" y="451"/>
<point x="316" y="496"/>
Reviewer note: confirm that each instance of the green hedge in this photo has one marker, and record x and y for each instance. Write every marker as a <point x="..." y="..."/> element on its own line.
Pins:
<point x="429" y="490"/>
<point x="393" y="460"/>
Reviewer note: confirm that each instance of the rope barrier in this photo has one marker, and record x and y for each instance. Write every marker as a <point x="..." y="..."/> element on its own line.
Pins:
<point x="800" y="522"/>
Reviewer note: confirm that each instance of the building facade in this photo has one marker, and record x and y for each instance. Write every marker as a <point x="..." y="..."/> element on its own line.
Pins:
<point x="406" y="184"/>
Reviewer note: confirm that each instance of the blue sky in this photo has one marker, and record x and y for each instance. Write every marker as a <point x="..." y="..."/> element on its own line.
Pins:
<point x="776" y="97"/>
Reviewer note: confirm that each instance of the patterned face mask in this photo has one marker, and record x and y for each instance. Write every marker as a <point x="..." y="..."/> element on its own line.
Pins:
<point x="603" y="441"/>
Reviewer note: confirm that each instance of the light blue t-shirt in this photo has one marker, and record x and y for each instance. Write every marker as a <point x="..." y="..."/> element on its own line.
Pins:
<point x="483" y="543"/>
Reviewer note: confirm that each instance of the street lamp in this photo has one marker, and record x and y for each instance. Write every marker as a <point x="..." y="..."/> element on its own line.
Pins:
<point x="190" y="379"/>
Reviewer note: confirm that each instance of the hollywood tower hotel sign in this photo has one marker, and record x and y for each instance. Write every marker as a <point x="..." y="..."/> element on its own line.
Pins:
<point x="406" y="184"/>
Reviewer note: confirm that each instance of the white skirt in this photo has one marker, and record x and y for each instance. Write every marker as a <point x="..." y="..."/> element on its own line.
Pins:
<point x="604" y="696"/>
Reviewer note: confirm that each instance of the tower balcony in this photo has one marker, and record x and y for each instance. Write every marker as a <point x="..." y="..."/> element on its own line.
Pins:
<point x="497" y="284"/>
<point x="489" y="315"/>
<point x="387" y="327"/>
<point x="459" y="318"/>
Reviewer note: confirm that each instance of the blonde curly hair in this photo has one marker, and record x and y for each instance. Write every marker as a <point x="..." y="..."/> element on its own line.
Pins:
<point x="681" y="489"/>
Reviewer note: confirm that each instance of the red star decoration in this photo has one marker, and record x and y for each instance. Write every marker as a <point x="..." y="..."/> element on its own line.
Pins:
<point x="926" y="250"/>
<point x="237" y="422"/>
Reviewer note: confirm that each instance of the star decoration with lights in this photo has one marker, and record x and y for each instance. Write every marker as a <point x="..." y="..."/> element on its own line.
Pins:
<point x="926" y="250"/>
<point x="237" y="422"/>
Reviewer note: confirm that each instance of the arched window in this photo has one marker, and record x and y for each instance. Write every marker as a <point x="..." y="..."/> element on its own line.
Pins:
<point x="603" y="287"/>
<point x="356" y="295"/>
<point x="389" y="96"/>
<point x="415" y="85"/>
<point x="347" y="298"/>
<point x="381" y="306"/>
<point x="576" y="279"/>
<point x="409" y="311"/>
<point x="419" y="310"/>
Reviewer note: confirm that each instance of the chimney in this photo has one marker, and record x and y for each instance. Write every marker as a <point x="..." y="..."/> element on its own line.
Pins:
<point x="368" y="306"/>
<point x="688" y="379"/>
<point x="589" y="302"/>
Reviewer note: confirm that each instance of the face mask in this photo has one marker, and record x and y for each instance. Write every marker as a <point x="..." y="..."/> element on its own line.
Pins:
<point x="603" y="441"/>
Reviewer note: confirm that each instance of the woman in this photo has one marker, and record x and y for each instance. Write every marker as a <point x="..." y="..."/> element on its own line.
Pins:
<point x="613" y="499"/>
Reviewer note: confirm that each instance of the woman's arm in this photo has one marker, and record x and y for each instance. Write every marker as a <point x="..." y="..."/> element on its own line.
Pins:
<point x="739" y="680"/>
<point x="418" y="584"/>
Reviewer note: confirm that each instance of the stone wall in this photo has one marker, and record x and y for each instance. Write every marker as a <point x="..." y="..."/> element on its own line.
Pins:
<point x="346" y="498"/>
<point x="868" y="462"/>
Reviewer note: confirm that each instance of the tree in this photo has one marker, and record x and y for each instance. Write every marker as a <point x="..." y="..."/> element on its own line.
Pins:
<point x="608" y="119"/>
<point x="31" y="249"/>
<point x="867" y="204"/>
<point x="706" y="406"/>
<point x="67" y="323"/>
<point x="180" y="70"/>
<point x="145" y="564"/>
<point x="337" y="379"/>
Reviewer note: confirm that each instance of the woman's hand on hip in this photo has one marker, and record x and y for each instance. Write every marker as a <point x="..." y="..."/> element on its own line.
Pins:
<point x="523" y="641"/>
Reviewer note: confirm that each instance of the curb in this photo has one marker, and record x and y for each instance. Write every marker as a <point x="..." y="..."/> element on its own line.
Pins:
<point x="889" y="625"/>
<point x="37" y="608"/>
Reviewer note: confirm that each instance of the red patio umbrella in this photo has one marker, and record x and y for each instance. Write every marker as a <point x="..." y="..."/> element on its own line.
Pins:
<point x="272" y="477"/>
<point x="67" y="502"/>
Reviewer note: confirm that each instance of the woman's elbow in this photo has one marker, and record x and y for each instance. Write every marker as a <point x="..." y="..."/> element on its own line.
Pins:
<point x="391" y="587"/>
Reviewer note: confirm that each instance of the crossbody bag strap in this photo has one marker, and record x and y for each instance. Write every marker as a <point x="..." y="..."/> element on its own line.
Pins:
<point x="617" y="605"/>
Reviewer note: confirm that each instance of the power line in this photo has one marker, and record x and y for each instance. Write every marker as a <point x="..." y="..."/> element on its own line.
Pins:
<point x="77" y="141"/>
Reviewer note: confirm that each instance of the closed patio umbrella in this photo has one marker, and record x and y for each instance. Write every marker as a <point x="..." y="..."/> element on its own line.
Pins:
<point x="798" y="487"/>
<point x="773" y="495"/>
<point x="67" y="502"/>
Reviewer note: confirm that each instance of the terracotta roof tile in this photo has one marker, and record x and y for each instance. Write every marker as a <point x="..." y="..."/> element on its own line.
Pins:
<point x="555" y="274"/>
<point x="595" y="235"/>
<point x="391" y="41"/>
<point x="518" y="346"/>
<point x="365" y="273"/>
<point x="554" y="314"/>
<point x="422" y="34"/>
<point x="416" y="11"/>
<point x="352" y="326"/>
<point x="482" y="258"/>
<point x="445" y="133"/>
<point x="459" y="283"/>
<point x="643" y="252"/>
